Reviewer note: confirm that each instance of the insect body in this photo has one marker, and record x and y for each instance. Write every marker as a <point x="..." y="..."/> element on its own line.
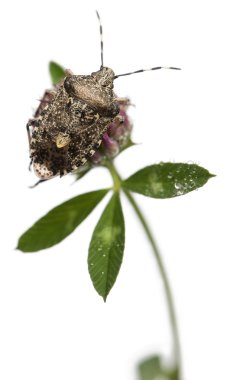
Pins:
<point x="70" y="127"/>
<point x="71" y="120"/>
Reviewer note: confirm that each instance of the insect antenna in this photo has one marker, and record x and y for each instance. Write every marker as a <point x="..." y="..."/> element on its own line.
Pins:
<point x="101" y="38"/>
<point x="142" y="70"/>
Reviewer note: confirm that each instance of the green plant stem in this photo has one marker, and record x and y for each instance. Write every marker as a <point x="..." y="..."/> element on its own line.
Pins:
<point x="114" y="174"/>
<point x="168" y="293"/>
<point x="162" y="270"/>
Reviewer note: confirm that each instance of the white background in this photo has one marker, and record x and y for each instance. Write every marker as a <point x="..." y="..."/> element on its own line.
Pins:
<point x="53" y="325"/>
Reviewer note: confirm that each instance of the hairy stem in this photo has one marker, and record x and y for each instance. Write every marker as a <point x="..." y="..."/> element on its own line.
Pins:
<point x="168" y="293"/>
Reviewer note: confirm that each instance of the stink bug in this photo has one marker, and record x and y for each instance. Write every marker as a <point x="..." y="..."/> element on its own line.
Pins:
<point x="69" y="124"/>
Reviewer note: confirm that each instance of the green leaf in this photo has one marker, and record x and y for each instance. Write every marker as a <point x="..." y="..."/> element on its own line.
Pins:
<point x="150" y="368"/>
<point x="153" y="369"/>
<point x="59" y="222"/>
<point x="174" y="374"/>
<point x="129" y="144"/>
<point x="83" y="170"/>
<point x="107" y="247"/>
<point x="57" y="72"/>
<point x="167" y="180"/>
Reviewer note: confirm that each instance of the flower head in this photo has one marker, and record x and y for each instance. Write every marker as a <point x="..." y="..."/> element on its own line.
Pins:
<point x="114" y="141"/>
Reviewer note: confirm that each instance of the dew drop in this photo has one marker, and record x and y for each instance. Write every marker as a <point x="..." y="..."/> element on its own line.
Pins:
<point x="180" y="188"/>
<point x="191" y="184"/>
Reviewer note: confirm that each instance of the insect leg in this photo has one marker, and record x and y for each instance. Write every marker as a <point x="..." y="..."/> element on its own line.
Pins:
<point x="29" y="124"/>
<point x="118" y="120"/>
<point x="37" y="183"/>
<point x="30" y="165"/>
<point x="123" y="101"/>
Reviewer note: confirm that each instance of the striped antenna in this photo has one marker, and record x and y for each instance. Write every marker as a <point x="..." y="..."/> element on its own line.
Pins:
<point x="101" y="38"/>
<point x="141" y="71"/>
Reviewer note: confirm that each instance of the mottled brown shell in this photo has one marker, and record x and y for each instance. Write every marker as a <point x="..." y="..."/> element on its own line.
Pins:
<point x="70" y="122"/>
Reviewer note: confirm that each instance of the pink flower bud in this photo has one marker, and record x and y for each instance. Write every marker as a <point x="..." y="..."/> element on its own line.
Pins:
<point x="111" y="146"/>
<point x="97" y="158"/>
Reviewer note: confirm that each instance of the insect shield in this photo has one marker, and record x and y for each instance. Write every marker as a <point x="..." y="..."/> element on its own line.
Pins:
<point x="71" y="120"/>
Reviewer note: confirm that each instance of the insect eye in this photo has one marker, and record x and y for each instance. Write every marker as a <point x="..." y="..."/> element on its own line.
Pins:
<point x="68" y="85"/>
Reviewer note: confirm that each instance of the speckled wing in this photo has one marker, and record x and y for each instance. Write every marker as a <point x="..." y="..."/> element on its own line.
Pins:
<point x="80" y="125"/>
